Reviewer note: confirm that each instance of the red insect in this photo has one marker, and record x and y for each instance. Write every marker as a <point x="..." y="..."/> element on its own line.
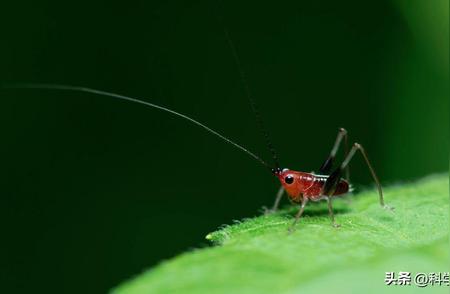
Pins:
<point x="301" y="187"/>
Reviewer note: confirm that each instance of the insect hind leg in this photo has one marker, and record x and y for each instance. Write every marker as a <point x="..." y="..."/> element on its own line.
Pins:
<point x="334" y="178"/>
<point x="326" y="166"/>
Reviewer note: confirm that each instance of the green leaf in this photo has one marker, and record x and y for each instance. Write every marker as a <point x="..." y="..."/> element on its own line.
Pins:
<point x="259" y="256"/>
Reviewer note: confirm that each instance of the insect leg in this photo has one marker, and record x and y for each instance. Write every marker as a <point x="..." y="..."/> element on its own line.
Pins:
<point x="334" y="178"/>
<point x="277" y="199"/>
<point x="299" y="213"/>
<point x="330" y="210"/>
<point x="328" y="163"/>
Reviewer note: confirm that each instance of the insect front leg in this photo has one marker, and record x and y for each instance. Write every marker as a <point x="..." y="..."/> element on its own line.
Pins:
<point x="277" y="201"/>
<point x="299" y="213"/>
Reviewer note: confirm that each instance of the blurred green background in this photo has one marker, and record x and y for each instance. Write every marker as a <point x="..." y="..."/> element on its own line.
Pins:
<point x="94" y="190"/>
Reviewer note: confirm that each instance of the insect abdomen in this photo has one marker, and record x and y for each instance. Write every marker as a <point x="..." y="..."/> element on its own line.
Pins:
<point x="341" y="188"/>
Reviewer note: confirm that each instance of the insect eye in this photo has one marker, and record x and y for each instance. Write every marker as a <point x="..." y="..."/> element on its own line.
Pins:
<point x="289" y="179"/>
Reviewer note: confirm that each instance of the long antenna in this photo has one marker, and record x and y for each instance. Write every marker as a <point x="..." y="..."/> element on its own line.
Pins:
<point x="122" y="97"/>
<point x="249" y="96"/>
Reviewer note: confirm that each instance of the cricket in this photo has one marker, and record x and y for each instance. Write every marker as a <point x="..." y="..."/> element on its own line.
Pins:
<point x="300" y="187"/>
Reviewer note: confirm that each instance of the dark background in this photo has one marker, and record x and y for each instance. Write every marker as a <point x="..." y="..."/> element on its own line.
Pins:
<point x="94" y="190"/>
